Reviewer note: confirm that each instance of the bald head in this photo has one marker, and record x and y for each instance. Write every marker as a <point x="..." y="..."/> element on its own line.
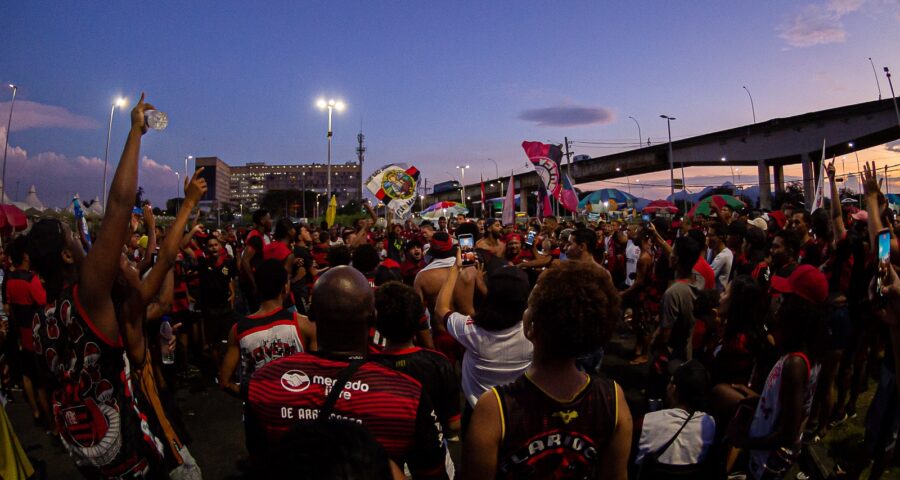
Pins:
<point x="343" y="307"/>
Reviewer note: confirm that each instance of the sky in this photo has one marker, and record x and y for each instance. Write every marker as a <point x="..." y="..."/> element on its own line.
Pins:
<point x="433" y="84"/>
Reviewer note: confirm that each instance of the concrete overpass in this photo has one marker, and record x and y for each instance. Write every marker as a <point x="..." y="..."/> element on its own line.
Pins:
<point x="767" y="145"/>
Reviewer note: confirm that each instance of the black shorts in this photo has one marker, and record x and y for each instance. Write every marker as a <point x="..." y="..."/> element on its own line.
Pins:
<point x="217" y="321"/>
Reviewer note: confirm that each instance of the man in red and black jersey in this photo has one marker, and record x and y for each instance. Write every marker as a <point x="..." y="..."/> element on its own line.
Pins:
<point x="254" y="243"/>
<point x="217" y="273"/>
<point x="24" y="296"/>
<point x="399" y="314"/>
<point x="391" y="405"/>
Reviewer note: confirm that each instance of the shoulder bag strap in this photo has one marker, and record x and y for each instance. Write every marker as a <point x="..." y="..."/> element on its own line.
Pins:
<point x="656" y="454"/>
<point x="337" y="388"/>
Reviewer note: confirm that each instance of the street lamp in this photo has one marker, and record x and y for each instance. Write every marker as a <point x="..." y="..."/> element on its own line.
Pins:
<point x="177" y="186"/>
<point x="858" y="170"/>
<point x="120" y="102"/>
<point x="752" y="108"/>
<point x="330" y="105"/>
<point x="6" y="142"/>
<point x="497" y="171"/>
<point x="640" y="137"/>
<point x="462" y="181"/>
<point x="671" y="164"/>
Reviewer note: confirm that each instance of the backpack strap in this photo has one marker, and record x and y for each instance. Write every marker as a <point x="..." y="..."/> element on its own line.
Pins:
<point x="658" y="452"/>
<point x="338" y="387"/>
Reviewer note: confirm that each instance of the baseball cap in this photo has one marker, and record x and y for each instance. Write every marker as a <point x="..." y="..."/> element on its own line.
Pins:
<point x="805" y="281"/>
<point x="759" y="223"/>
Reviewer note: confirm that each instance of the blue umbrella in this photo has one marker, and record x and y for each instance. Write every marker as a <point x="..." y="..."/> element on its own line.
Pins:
<point x="605" y="195"/>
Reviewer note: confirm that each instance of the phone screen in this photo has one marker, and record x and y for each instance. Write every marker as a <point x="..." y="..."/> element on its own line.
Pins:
<point x="646" y="218"/>
<point x="529" y="240"/>
<point x="467" y="249"/>
<point x="884" y="245"/>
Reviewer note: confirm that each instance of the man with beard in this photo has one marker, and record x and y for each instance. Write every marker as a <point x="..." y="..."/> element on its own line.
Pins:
<point x="513" y="252"/>
<point x="413" y="262"/>
<point x="491" y="244"/>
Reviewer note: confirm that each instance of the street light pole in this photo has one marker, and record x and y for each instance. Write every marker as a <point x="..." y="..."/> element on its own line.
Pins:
<point x="874" y="72"/>
<point x="671" y="162"/>
<point x="893" y="97"/>
<point x="331" y="105"/>
<point x="6" y="143"/>
<point x="462" y="181"/>
<point x="752" y="108"/>
<point x="120" y="102"/>
<point x="497" y="171"/>
<point x="640" y="137"/>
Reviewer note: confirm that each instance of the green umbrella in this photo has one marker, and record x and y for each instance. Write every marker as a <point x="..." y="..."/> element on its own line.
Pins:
<point x="704" y="207"/>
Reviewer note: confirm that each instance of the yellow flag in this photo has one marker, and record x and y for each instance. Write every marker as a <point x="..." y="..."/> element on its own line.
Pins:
<point x="331" y="212"/>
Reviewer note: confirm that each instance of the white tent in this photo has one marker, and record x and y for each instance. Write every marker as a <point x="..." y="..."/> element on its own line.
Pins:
<point x="32" y="199"/>
<point x="5" y="196"/>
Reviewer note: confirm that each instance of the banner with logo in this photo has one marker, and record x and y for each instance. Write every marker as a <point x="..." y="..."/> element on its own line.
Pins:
<point x="395" y="186"/>
<point x="545" y="159"/>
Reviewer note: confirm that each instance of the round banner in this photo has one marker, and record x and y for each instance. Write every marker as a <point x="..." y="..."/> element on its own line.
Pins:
<point x="548" y="171"/>
<point x="398" y="184"/>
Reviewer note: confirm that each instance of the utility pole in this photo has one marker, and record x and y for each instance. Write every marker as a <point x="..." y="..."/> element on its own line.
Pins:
<point x="569" y="170"/>
<point x="361" y="155"/>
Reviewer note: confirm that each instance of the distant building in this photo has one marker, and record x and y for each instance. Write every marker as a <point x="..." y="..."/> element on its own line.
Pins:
<point x="249" y="183"/>
<point x="218" y="181"/>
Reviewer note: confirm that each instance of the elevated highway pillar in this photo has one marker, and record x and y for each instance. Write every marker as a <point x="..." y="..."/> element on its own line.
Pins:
<point x="778" y="171"/>
<point x="765" y="186"/>
<point x="809" y="179"/>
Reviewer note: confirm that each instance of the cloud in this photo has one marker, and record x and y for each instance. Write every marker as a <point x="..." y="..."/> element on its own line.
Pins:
<point x="568" y="116"/>
<point x="818" y="24"/>
<point x="893" y="146"/>
<point x="28" y="114"/>
<point x="57" y="176"/>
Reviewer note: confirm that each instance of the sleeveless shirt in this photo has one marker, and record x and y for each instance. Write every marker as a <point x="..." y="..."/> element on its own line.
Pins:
<point x="543" y="437"/>
<point x="265" y="338"/>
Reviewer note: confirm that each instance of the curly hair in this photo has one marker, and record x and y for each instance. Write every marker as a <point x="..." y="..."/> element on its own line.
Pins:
<point x="574" y="308"/>
<point x="398" y="311"/>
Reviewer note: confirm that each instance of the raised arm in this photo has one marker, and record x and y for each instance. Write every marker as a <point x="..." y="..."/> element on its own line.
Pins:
<point x="100" y="268"/>
<point x="170" y="246"/>
<point x="837" y="217"/>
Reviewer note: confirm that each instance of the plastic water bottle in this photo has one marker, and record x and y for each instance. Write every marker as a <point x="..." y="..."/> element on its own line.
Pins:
<point x="156" y="120"/>
<point x="165" y="336"/>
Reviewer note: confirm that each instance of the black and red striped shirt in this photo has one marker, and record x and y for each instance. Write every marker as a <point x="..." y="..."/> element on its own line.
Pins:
<point x="434" y="371"/>
<point x="391" y="405"/>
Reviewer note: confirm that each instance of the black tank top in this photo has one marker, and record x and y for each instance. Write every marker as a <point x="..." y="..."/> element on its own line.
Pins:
<point x="543" y="437"/>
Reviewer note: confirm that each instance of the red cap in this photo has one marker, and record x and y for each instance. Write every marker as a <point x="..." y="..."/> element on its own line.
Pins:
<point x="806" y="282"/>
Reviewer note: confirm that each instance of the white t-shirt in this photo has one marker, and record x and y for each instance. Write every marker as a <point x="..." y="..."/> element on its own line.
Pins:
<point x="721" y="266"/>
<point x="692" y="444"/>
<point x="632" y="254"/>
<point x="492" y="357"/>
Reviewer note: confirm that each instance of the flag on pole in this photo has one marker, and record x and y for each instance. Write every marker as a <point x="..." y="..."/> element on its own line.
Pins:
<point x="545" y="159"/>
<point x="331" y="212"/>
<point x="819" y="198"/>
<point x="482" y="196"/>
<point x="509" y="203"/>
<point x="544" y="207"/>
<point x="567" y="196"/>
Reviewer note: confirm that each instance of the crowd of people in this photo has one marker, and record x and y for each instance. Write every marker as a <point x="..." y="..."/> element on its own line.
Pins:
<point x="364" y="351"/>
